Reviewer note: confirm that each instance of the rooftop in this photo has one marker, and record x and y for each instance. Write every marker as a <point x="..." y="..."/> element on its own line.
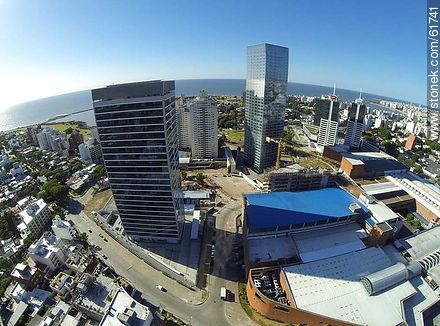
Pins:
<point x="124" y="310"/>
<point x="331" y="287"/>
<point x="420" y="189"/>
<point x="44" y="246"/>
<point x="333" y="241"/>
<point x="284" y="208"/>
<point x="32" y="210"/>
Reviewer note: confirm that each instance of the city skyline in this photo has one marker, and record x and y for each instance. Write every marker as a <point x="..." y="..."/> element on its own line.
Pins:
<point x="59" y="52"/>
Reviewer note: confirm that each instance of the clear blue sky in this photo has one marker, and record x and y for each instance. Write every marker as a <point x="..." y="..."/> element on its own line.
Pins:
<point x="50" y="47"/>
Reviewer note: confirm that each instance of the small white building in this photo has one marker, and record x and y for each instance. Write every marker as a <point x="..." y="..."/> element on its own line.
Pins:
<point x="63" y="229"/>
<point x="34" y="218"/>
<point x="124" y="310"/>
<point x="48" y="250"/>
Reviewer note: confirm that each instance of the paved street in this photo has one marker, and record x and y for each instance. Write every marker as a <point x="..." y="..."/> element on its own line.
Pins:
<point x="179" y="300"/>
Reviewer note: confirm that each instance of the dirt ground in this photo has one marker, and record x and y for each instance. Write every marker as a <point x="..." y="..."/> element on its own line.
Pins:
<point x="97" y="202"/>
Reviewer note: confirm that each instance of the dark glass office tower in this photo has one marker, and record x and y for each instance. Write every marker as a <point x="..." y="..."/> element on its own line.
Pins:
<point x="137" y="129"/>
<point x="266" y="96"/>
<point x="355" y="124"/>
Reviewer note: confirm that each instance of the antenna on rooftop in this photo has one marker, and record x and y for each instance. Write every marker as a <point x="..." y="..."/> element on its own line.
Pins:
<point x="334" y="89"/>
<point x="360" y="93"/>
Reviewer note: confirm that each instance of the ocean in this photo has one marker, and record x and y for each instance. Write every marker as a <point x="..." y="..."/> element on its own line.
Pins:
<point x="40" y="110"/>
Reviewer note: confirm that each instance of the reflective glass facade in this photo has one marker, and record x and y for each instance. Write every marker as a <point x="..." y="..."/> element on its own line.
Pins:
<point x="137" y="129"/>
<point x="266" y="96"/>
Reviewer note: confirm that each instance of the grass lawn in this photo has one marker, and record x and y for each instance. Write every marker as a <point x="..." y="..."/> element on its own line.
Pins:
<point x="97" y="202"/>
<point x="234" y="136"/>
<point x="63" y="126"/>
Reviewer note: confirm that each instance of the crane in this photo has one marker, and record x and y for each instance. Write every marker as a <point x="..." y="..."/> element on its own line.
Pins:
<point x="281" y="145"/>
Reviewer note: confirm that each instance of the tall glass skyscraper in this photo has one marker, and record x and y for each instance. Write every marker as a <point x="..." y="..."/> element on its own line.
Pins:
<point x="137" y="129"/>
<point x="266" y="96"/>
<point x="355" y="123"/>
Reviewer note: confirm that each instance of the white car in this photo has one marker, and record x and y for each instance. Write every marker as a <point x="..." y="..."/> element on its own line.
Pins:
<point x="160" y="287"/>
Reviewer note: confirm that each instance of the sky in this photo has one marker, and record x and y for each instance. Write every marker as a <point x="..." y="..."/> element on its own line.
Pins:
<point x="50" y="47"/>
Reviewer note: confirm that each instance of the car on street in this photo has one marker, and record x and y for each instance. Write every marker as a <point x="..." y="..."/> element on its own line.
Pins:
<point x="90" y="231"/>
<point x="161" y="288"/>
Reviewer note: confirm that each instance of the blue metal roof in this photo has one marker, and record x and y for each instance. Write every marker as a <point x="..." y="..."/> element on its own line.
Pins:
<point x="284" y="208"/>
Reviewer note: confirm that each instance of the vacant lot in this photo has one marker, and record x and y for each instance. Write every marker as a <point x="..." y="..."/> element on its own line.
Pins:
<point x="62" y="127"/>
<point x="234" y="136"/>
<point x="97" y="202"/>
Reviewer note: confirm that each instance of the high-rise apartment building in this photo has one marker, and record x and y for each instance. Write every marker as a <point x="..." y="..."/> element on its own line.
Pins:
<point x="355" y="124"/>
<point x="137" y="130"/>
<point x="182" y="116"/>
<point x="326" y="113"/>
<point x="203" y="127"/>
<point x="265" y="102"/>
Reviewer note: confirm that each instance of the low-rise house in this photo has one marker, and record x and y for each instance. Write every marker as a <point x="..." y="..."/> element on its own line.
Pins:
<point x="63" y="229"/>
<point x="27" y="276"/>
<point x="124" y="310"/>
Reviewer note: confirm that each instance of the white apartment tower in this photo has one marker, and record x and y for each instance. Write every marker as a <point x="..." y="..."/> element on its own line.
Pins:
<point x="203" y="131"/>
<point x="355" y="124"/>
<point x="326" y="113"/>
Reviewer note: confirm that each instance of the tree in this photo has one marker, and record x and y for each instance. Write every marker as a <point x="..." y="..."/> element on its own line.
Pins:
<point x="390" y="148"/>
<point x="409" y="217"/>
<point x="5" y="264"/>
<point x="53" y="191"/>
<point x="200" y="178"/>
<point x="418" y="169"/>
<point x="58" y="210"/>
<point x="4" y="283"/>
<point x="222" y="141"/>
<point x="7" y="225"/>
<point x="29" y="240"/>
<point x="183" y="174"/>
<point x="76" y="166"/>
<point x="83" y="237"/>
<point x="97" y="173"/>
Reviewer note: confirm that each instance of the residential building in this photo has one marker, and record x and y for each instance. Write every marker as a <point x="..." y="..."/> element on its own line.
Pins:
<point x="296" y="178"/>
<point x="90" y="151"/>
<point x="265" y="100"/>
<point x="27" y="276"/>
<point x="31" y="134"/>
<point x="34" y="218"/>
<point x="54" y="141"/>
<point x="4" y="160"/>
<point x="124" y="310"/>
<point x="410" y="142"/>
<point x="63" y="229"/>
<point x="49" y="251"/>
<point x="137" y="128"/>
<point x="17" y="171"/>
<point x="76" y="138"/>
<point x="355" y="124"/>
<point x="203" y="130"/>
<point x="326" y="114"/>
<point x="182" y="118"/>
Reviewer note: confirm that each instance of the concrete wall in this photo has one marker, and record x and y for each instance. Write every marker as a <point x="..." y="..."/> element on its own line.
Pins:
<point x="426" y="213"/>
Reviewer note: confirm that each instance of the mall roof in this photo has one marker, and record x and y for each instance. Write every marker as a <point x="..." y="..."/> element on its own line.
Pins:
<point x="332" y="287"/>
<point x="284" y="208"/>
